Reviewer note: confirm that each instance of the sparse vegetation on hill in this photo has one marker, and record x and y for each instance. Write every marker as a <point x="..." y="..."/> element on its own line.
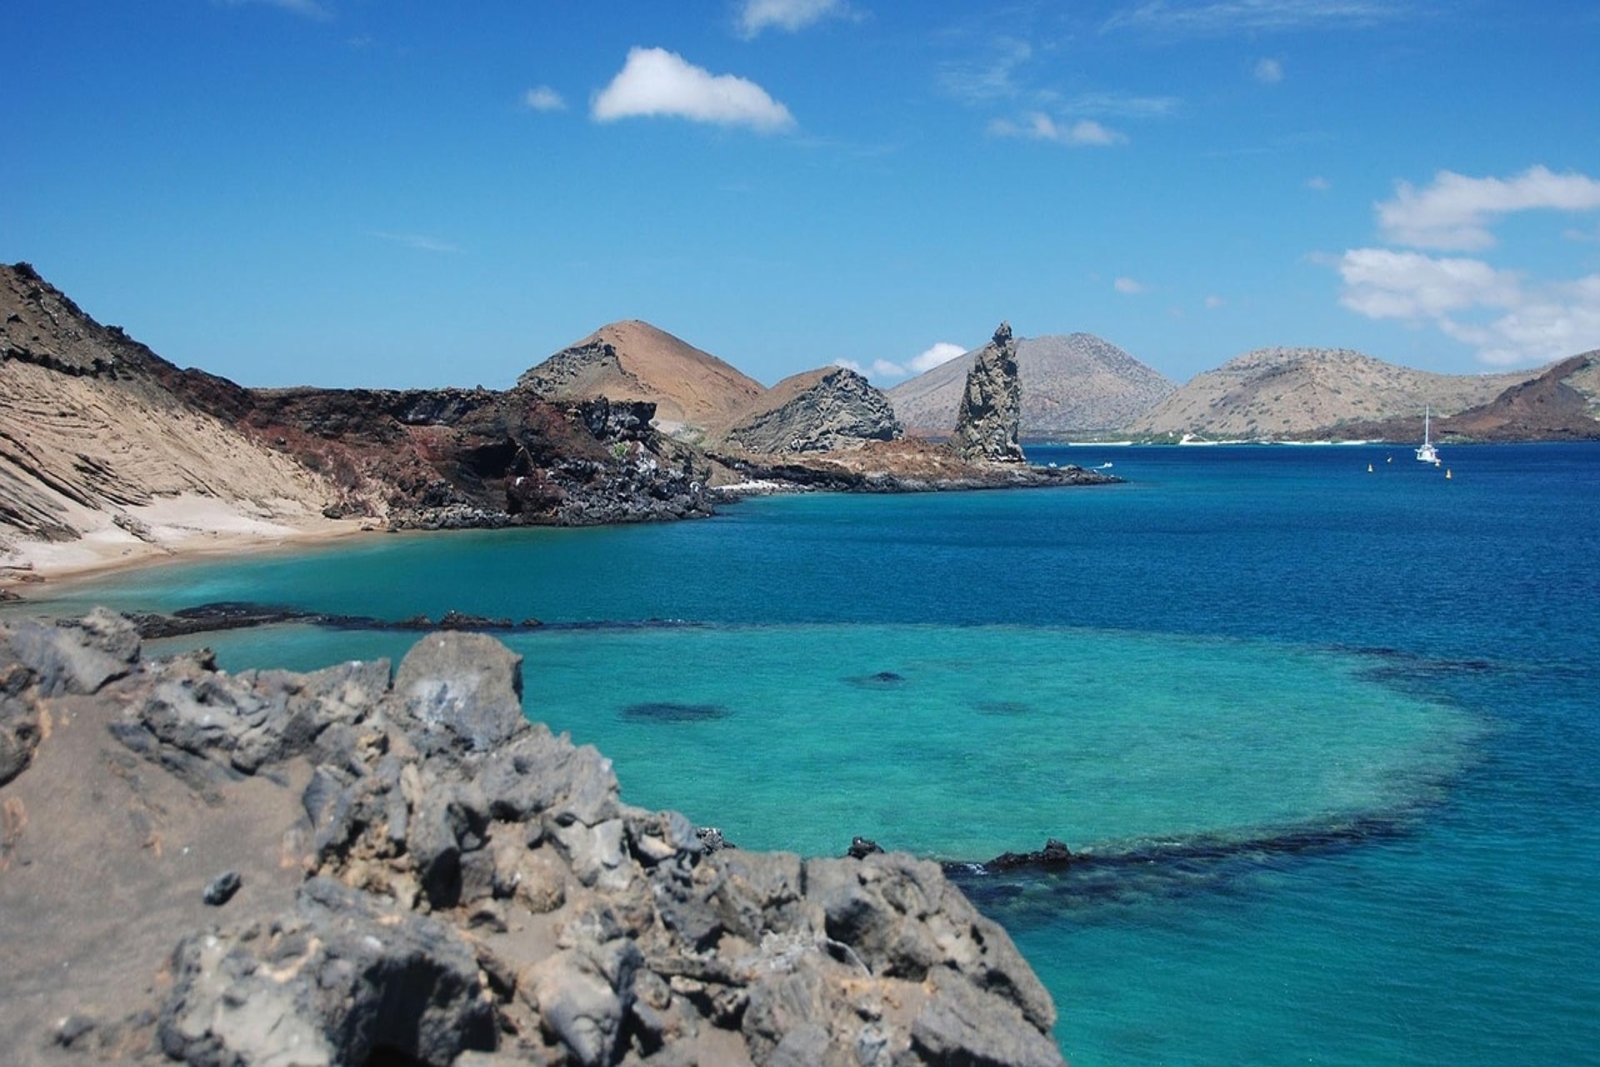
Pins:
<point x="1299" y="393"/>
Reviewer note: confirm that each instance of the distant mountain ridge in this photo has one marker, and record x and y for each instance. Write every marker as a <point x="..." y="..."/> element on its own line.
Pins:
<point x="1290" y="393"/>
<point x="1072" y="385"/>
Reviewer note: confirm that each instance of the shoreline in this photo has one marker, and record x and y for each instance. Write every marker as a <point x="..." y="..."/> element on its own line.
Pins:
<point x="189" y="528"/>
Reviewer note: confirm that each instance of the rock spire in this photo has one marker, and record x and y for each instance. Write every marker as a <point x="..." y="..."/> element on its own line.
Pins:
<point x="991" y="406"/>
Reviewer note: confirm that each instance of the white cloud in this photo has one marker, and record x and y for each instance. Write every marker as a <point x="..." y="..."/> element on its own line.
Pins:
<point x="1127" y="286"/>
<point x="1383" y="284"/>
<point x="1269" y="71"/>
<point x="1318" y="184"/>
<point x="1562" y="321"/>
<point x="1038" y="126"/>
<point x="931" y="357"/>
<point x="543" y="98"/>
<point x="1121" y="105"/>
<point x="1455" y="212"/>
<point x="1507" y="316"/>
<point x="787" y="15"/>
<point x="654" y="83"/>
<point x="1507" y="320"/>
<point x="420" y="242"/>
<point x="1214" y="302"/>
<point x="309" y="8"/>
<point x="881" y="368"/>
<point x="934" y="356"/>
<point x="992" y="78"/>
<point x="1228" y="17"/>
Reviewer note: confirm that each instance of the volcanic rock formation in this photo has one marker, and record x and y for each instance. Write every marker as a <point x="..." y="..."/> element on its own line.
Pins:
<point x="817" y="411"/>
<point x="991" y="408"/>
<point x="634" y="360"/>
<point x="1074" y="387"/>
<point x="333" y="868"/>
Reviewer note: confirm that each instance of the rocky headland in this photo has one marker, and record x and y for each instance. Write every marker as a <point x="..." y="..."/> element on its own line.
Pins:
<point x="354" y="867"/>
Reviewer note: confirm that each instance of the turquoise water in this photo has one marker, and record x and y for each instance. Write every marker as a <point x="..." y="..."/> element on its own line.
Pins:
<point x="1331" y="737"/>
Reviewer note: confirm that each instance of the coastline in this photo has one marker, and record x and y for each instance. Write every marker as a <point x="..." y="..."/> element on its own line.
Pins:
<point x="168" y="530"/>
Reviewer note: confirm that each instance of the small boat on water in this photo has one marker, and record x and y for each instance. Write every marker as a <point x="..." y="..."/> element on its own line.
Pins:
<point x="1426" y="453"/>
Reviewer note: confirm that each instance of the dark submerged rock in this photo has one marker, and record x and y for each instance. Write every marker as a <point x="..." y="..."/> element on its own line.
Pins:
<point x="1054" y="854"/>
<point x="669" y="712"/>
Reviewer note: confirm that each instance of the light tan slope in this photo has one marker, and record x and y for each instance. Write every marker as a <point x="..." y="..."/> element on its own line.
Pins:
<point x="1276" y="393"/>
<point x="634" y="360"/>
<point x="99" y="459"/>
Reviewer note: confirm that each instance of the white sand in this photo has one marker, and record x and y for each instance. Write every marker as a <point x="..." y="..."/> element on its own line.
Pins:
<point x="168" y="527"/>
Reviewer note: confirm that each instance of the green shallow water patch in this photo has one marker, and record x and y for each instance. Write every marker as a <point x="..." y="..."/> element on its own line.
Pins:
<point x="965" y="742"/>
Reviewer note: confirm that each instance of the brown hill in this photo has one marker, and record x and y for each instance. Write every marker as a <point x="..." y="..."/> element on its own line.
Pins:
<point x="1563" y="403"/>
<point x="633" y="360"/>
<point x="1076" y="385"/>
<point x="814" y="411"/>
<point x="1296" y="393"/>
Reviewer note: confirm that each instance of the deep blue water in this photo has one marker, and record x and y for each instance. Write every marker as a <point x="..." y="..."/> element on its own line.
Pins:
<point x="1333" y="735"/>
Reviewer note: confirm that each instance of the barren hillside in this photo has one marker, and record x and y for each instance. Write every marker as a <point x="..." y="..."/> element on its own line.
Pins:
<point x="97" y="454"/>
<point x="633" y="360"/>
<point x="1072" y="385"/>
<point x="1287" y="393"/>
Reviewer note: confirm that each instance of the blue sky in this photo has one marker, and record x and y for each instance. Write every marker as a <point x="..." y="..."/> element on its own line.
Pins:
<point x="394" y="192"/>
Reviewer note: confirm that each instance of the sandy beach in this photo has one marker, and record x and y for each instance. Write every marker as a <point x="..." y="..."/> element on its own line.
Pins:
<point x="167" y="529"/>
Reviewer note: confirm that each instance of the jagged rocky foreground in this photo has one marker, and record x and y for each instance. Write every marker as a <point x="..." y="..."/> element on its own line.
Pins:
<point x="337" y="868"/>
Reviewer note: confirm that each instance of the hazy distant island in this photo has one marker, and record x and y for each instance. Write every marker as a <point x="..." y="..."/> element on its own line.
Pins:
<point x="111" y="454"/>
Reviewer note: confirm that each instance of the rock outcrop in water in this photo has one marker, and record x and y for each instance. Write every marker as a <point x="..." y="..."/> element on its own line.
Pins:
<point x="991" y="407"/>
<point x="333" y="868"/>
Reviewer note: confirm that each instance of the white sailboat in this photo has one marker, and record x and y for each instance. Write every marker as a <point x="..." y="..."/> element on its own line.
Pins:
<point x="1426" y="452"/>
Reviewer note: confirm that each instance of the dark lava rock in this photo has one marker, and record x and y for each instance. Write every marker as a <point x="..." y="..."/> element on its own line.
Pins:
<point x="862" y="847"/>
<point x="222" y="888"/>
<point x="1054" y="854"/>
<point x="448" y="884"/>
<point x="990" y="416"/>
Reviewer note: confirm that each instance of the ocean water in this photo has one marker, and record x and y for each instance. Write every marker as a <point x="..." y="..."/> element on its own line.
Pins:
<point x="1328" y="738"/>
